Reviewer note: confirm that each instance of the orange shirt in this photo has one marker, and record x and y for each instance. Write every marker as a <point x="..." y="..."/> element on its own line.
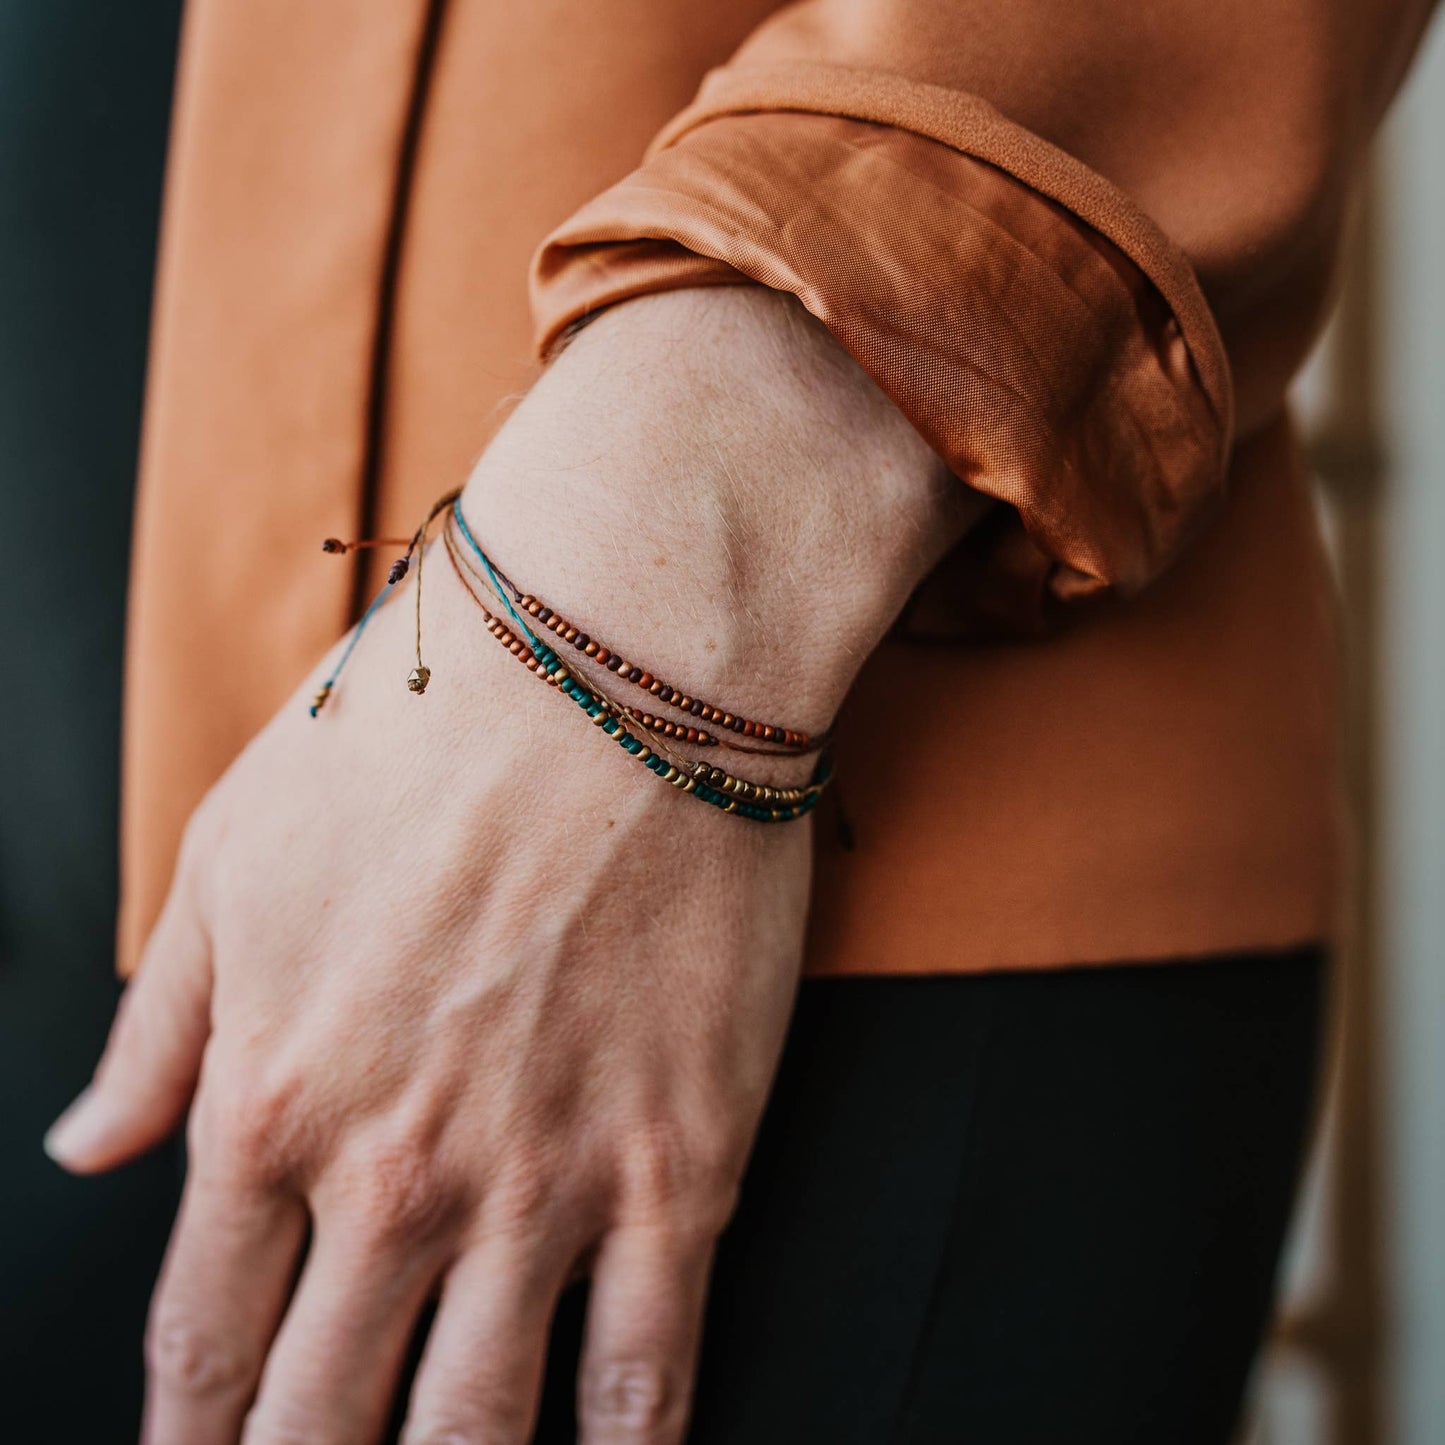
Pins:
<point x="1082" y="252"/>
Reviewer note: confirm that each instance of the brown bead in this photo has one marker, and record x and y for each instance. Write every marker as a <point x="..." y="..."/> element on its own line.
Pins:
<point x="333" y="544"/>
<point x="571" y="634"/>
<point x="583" y="641"/>
<point x="645" y="681"/>
<point x="692" y="705"/>
<point x="613" y="662"/>
<point x="544" y="614"/>
<point x="529" y="604"/>
<point x="635" y="675"/>
<point x="590" y="648"/>
<point x="665" y="693"/>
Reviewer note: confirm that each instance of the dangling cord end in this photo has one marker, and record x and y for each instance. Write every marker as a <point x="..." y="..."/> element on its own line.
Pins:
<point x="420" y="675"/>
<point x="337" y="547"/>
<point x="323" y="693"/>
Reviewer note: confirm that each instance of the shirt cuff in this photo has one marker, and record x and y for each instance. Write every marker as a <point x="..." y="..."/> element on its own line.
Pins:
<point x="1034" y="326"/>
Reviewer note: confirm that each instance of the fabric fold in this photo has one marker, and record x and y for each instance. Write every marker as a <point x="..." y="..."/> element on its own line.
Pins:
<point x="1039" y="331"/>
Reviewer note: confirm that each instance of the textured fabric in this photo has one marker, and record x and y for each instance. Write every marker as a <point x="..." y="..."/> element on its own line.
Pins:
<point x="1024" y="346"/>
<point x="357" y="188"/>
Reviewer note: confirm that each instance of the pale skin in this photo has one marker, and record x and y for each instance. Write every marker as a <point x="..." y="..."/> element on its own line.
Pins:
<point x="455" y="989"/>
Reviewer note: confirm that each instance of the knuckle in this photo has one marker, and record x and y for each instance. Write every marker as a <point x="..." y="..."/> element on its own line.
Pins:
<point x="501" y="1419"/>
<point x="632" y="1395"/>
<point x="398" y="1194"/>
<point x="243" y="1132"/>
<point x="492" y="1403"/>
<point x="294" y="1423"/>
<point x="526" y="1189"/>
<point x="186" y="1358"/>
<point x="668" y="1170"/>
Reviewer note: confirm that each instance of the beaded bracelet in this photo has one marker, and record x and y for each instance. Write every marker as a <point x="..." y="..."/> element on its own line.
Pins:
<point x="779" y="803"/>
<point x="801" y="742"/>
<point x="788" y="739"/>
<point x="732" y="794"/>
<point x="681" y="731"/>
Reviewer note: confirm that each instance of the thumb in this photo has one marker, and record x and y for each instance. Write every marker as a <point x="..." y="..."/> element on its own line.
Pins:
<point x="147" y="1074"/>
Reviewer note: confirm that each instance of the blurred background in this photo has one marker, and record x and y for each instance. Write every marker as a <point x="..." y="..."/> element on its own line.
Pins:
<point x="1358" y="1357"/>
<point x="84" y="102"/>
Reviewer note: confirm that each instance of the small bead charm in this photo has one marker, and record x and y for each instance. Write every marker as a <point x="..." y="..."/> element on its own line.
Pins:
<point x="418" y="678"/>
<point x="399" y="569"/>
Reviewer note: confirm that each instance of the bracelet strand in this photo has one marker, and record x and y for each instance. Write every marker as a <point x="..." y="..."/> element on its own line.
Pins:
<point x="710" y="784"/>
<point x="547" y="666"/>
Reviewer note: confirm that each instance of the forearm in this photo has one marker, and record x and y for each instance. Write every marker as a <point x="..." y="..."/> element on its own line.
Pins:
<point x="705" y="477"/>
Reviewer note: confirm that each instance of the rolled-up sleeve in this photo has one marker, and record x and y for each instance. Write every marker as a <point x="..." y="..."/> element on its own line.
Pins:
<point x="1049" y="342"/>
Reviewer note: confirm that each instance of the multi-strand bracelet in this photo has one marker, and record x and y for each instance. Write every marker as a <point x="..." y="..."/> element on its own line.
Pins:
<point x="490" y="588"/>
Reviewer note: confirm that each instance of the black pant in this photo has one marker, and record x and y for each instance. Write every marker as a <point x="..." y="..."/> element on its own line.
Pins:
<point x="1006" y="1210"/>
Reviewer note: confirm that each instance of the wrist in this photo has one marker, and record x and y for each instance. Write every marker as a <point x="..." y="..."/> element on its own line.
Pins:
<point x="708" y="481"/>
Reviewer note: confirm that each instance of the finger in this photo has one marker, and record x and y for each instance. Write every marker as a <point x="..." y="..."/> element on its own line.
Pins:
<point x="228" y="1271"/>
<point x="333" y="1367"/>
<point x="644" y="1324"/>
<point x="481" y="1374"/>
<point x="147" y="1074"/>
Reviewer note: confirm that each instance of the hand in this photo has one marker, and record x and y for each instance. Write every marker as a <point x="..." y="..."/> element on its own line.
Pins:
<point x="458" y="987"/>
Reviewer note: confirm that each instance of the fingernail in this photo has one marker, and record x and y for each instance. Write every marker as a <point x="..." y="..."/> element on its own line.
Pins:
<point x="76" y="1132"/>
